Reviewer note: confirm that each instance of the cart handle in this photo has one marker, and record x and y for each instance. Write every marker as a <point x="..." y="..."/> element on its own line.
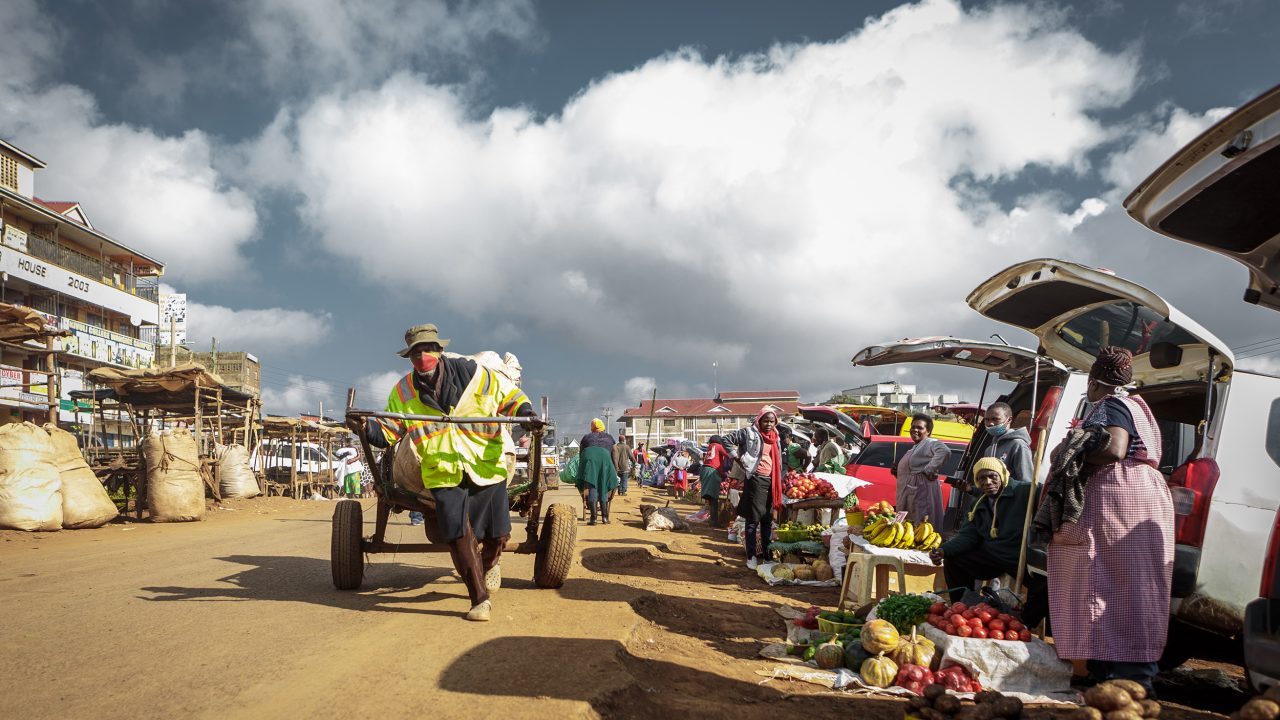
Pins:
<point x="526" y="421"/>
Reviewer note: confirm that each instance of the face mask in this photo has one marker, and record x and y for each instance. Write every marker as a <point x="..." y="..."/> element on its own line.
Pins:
<point x="996" y="431"/>
<point x="425" y="362"/>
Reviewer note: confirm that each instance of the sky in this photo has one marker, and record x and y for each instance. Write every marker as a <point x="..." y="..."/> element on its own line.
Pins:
<point x="682" y="196"/>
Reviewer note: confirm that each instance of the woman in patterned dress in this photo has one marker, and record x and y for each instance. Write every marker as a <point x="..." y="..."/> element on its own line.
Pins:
<point x="1110" y="573"/>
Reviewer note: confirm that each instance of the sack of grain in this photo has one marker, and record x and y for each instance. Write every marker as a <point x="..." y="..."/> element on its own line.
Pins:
<point x="235" y="479"/>
<point x="175" y="491"/>
<point x="30" y="487"/>
<point x="85" y="502"/>
<point x="406" y="474"/>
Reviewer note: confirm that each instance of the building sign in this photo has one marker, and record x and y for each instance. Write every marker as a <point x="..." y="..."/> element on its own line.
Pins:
<point x="173" y="314"/>
<point x="15" y="238"/>
<point x="12" y="380"/>
<point x="46" y="274"/>
<point x="87" y="341"/>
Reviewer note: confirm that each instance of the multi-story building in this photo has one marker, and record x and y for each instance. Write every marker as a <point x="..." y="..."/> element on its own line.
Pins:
<point x="895" y="395"/>
<point x="698" y="419"/>
<point x="238" y="370"/>
<point x="100" y="291"/>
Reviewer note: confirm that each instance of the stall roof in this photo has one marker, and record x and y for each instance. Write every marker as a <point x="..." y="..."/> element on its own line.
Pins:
<point x="284" y="424"/>
<point x="19" y="324"/>
<point x="162" y="388"/>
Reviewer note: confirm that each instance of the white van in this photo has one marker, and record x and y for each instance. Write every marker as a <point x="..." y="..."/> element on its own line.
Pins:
<point x="1220" y="193"/>
<point x="1213" y="417"/>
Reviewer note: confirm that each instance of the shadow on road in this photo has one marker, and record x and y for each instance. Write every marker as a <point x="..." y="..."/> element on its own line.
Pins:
<point x="618" y="684"/>
<point x="307" y="580"/>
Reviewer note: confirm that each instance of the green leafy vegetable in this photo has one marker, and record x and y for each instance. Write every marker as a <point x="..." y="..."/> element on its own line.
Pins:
<point x="904" y="611"/>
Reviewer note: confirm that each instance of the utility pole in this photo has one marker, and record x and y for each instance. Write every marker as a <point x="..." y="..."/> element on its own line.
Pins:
<point x="715" y="379"/>
<point x="608" y="410"/>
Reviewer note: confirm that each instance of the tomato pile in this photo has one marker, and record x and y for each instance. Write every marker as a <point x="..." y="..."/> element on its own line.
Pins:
<point x="797" y="486"/>
<point x="981" y="621"/>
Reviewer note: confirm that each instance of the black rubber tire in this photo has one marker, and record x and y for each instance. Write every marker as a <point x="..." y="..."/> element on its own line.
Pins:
<point x="555" y="547"/>
<point x="346" y="557"/>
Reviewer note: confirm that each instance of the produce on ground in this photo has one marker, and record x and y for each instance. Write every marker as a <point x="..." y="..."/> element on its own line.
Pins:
<point x="904" y="611"/>
<point x="981" y="621"/>
<point x="830" y="654"/>
<point x="914" y="677"/>
<point x="810" y="619"/>
<point x="823" y="571"/>
<point x="880" y="636"/>
<point x="797" y="486"/>
<point x="884" y="532"/>
<point x="730" y="484"/>
<point x="879" y="671"/>
<point x="1121" y="700"/>
<point x="956" y="679"/>
<point x="936" y="704"/>
<point x="1263" y="707"/>
<point x="797" y="532"/>
<point x="914" y="649"/>
<point x="840" y="617"/>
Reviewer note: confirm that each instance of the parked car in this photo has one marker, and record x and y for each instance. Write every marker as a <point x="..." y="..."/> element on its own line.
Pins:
<point x="1219" y="193"/>
<point x="278" y="458"/>
<point x="1212" y="417"/>
<point x="882" y="453"/>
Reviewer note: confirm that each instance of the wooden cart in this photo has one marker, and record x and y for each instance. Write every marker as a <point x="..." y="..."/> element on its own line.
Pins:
<point x="550" y="541"/>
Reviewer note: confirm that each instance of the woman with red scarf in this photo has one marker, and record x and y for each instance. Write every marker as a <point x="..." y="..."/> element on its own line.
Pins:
<point x="756" y="449"/>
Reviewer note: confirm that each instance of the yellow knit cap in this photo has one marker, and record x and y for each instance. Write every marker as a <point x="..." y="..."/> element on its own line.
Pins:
<point x="597" y="425"/>
<point x="992" y="463"/>
<point x="996" y="464"/>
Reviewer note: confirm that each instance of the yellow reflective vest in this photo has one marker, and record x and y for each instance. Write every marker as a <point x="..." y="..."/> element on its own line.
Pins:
<point x="448" y="450"/>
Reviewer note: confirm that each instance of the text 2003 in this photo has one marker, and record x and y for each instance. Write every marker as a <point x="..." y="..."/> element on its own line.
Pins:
<point x="78" y="284"/>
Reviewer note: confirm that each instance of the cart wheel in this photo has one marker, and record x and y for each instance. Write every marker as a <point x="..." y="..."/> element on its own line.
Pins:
<point x="555" y="547"/>
<point x="346" y="557"/>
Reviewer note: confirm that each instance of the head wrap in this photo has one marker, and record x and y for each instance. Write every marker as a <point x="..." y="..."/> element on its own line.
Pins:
<point x="1113" y="367"/>
<point x="996" y="464"/>
<point x="597" y="425"/>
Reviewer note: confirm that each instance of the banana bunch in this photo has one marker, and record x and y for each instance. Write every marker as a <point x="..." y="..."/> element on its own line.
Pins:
<point x="926" y="538"/>
<point x="902" y="535"/>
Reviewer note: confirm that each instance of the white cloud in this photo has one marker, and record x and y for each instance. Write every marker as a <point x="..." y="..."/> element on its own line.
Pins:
<point x="323" y="42"/>
<point x="639" y="388"/>
<point x="269" y="330"/>
<point x="300" y="395"/>
<point x="772" y="212"/>
<point x="158" y="194"/>
<point x="372" y="390"/>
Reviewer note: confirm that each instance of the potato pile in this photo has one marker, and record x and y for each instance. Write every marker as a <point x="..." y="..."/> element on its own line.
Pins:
<point x="1117" y="700"/>
<point x="1264" y="707"/>
<point x="936" y="704"/>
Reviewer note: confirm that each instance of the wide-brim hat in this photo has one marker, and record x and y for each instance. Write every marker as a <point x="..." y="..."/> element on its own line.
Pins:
<point x="419" y="334"/>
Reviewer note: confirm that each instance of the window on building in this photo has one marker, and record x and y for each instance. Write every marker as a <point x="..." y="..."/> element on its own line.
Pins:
<point x="668" y="425"/>
<point x="8" y="172"/>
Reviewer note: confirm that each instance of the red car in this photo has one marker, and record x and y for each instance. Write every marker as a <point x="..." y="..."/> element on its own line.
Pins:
<point x="884" y="452"/>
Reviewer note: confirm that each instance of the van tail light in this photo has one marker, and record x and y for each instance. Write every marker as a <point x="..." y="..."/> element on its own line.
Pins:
<point x="1192" y="487"/>
<point x="1044" y="414"/>
<point x="1269" y="589"/>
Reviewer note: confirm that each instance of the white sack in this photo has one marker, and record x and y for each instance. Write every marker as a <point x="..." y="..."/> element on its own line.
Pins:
<point x="235" y="479"/>
<point x="30" y="487"/>
<point x="175" y="491"/>
<point x="1032" y="667"/>
<point x="85" y="502"/>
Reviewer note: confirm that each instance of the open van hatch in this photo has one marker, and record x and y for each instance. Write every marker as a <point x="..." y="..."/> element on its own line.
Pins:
<point x="1007" y="361"/>
<point x="1076" y="310"/>
<point x="1219" y="192"/>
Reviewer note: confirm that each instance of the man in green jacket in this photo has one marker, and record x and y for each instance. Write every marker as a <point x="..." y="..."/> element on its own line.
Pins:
<point x="990" y="537"/>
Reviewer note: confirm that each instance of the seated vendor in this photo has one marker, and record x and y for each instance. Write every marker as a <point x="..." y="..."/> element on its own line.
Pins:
<point x="990" y="538"/>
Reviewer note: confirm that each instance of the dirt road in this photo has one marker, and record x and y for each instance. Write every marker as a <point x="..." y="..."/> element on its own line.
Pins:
<point x="236" y="617"/>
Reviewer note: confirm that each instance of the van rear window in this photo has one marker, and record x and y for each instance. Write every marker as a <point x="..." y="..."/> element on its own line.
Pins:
<point x="877" y="454"/>
<point x="1125" y="324"/>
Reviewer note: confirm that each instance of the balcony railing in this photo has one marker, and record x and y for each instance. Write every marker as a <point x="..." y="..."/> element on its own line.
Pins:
<point x="104" y="271"/>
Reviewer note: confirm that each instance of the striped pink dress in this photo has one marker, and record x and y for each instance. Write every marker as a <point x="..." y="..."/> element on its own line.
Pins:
<point x="1110" y="574"/>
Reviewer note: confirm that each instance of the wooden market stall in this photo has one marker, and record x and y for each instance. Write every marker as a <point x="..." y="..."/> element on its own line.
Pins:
<point x="296" y="456"/>
<point x="20" y="327"/>
<point x="185" y="395"/>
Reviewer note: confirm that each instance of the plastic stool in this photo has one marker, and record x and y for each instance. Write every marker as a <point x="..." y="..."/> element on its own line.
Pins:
<point x="867" y="566"/>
